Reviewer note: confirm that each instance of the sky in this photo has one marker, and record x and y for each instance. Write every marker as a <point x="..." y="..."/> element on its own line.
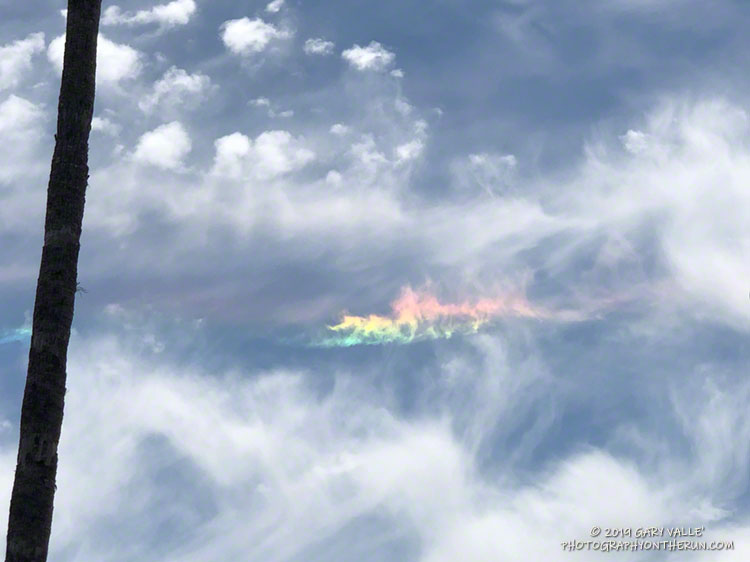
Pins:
<point x="391" y="281"/>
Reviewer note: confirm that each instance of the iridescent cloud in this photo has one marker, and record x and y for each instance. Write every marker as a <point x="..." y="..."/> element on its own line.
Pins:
<point x="418" y="315"/>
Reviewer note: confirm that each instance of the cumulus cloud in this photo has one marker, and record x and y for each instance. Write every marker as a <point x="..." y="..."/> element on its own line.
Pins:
<point x="333" y="177"/>
<point x="284" y="193"/>
<point x="375" y="161"/>
<point x="318" y="46"/>
<point x="260" y="102"/>
<point x="164" y="147"/>
<point x="20" y="125"/>
<point x="114" y="61"/>
<point x="175" y="90"/>
<point x="15" y="59"/>
<point x="339" y="129"/>
<point x="402" y="106"/>
<point x="21" y="167"/>
<point x="275" y="6"/>
<point x="287" y="113"/>
<point x="271" y="154"/>
<point x="268" y="182"/>
<point x="17" y="114"/>
<point x="372" y="57"/>
<point x="271" y="108"/>
<point x="105" y="125"/>
<point x="177" y="12"/>
<point x="367" y="154"/>
<point x="634" y="141"/>
<point x="247" y="36"/>
<point x="409" y="151"/>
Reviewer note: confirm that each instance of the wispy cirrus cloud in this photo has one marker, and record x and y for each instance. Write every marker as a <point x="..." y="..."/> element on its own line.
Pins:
<point x="535" y="141"/>
<point x="267" y="444"/>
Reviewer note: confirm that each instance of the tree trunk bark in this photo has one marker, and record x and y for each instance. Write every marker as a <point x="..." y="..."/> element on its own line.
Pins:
<point x="31" y="503"/>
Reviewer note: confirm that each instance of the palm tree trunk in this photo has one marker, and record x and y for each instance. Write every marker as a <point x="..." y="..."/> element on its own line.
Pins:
<point x="31" y="503"/>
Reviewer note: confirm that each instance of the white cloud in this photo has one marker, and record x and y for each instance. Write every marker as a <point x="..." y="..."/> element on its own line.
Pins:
<point x="114" y="61"/>
<point x="720" y="466"/>
<point x="274" y="6"/>
<point x="17" y="114"/>
<point x="607" y="203"/>
<point x="164" y="147"/>
<point x="318" y="46"/>
<point x="634" y="141"/>
<point x="286" y="114"/>
<point x="15" y="59"/>
<point x="657" y="196"/>
<point x="333" y="177"/>
<point x="372" y="57"/>
<point x="397" y="73"/>
<point x="104" y="125"/>
<point x="20" y="127"/>
<point x="231" y="151"/>
<point x="409" y="151"/>
<point x="272" y="111"/>
<point x="261" y="102"/>
<point x="177" y="12"/>
<point x="23" y="164"/>
<point x="245" y="36"/>
<point x="303" y="467"/>
<point x="532" y="522"/>
<point x="177" y="89"/>
<point x="271" y="154"/>
<point x="671" y="170"/>
<point x="491" y="172"/>
<point x="367" y="154"/>
<point x="255" y="184"/>
<point x="266" y="183"/>
<point x="329" y="473"/>
<point x="276" y="197"/>
<point x="402" y="106"/>
<point x="339" y="129"/>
